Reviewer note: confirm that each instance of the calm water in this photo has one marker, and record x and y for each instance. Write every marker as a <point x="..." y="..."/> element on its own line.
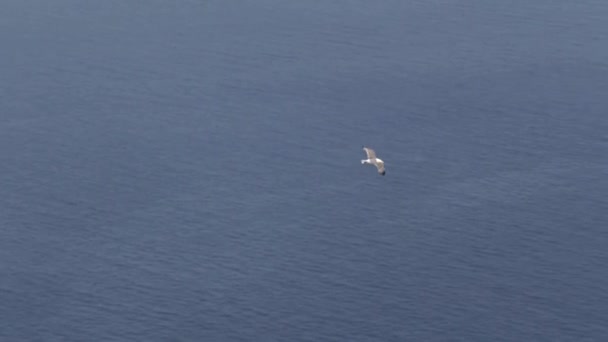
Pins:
<point x="190" y="170"/>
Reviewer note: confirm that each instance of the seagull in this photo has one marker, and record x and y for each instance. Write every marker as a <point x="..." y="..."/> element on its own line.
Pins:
<point x="372" y="159"/>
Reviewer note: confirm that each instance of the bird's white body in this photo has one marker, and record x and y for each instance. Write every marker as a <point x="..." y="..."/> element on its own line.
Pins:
<point x="373" y="160"/>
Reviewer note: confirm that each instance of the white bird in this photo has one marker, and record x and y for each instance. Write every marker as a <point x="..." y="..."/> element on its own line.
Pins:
<point x="372" y="159"/>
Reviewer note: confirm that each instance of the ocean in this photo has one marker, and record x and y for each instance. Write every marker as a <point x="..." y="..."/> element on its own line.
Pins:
<point x="190" y="170"/>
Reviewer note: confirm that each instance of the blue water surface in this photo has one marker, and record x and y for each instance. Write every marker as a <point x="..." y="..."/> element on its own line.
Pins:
<point x="190" y="170"/>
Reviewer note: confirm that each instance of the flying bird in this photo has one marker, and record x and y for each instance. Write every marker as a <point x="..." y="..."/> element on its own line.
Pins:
<point x="372" y="159"/>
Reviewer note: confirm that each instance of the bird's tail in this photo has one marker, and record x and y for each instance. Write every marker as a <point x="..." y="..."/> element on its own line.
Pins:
<point x="363" y="161"/>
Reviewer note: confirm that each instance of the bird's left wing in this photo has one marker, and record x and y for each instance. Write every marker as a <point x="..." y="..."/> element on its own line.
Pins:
<point x="380" y="166"/>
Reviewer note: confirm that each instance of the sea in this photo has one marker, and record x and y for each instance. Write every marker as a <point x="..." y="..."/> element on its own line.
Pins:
<point x="191" y="170"/>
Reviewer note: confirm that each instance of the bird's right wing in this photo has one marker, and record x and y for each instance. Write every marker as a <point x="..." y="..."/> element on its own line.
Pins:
<point x="370" y="153"/>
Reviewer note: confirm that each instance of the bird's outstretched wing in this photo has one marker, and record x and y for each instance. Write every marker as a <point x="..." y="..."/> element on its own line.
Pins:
<point x="380" y="167"/>
<point x="370" y="153"/>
